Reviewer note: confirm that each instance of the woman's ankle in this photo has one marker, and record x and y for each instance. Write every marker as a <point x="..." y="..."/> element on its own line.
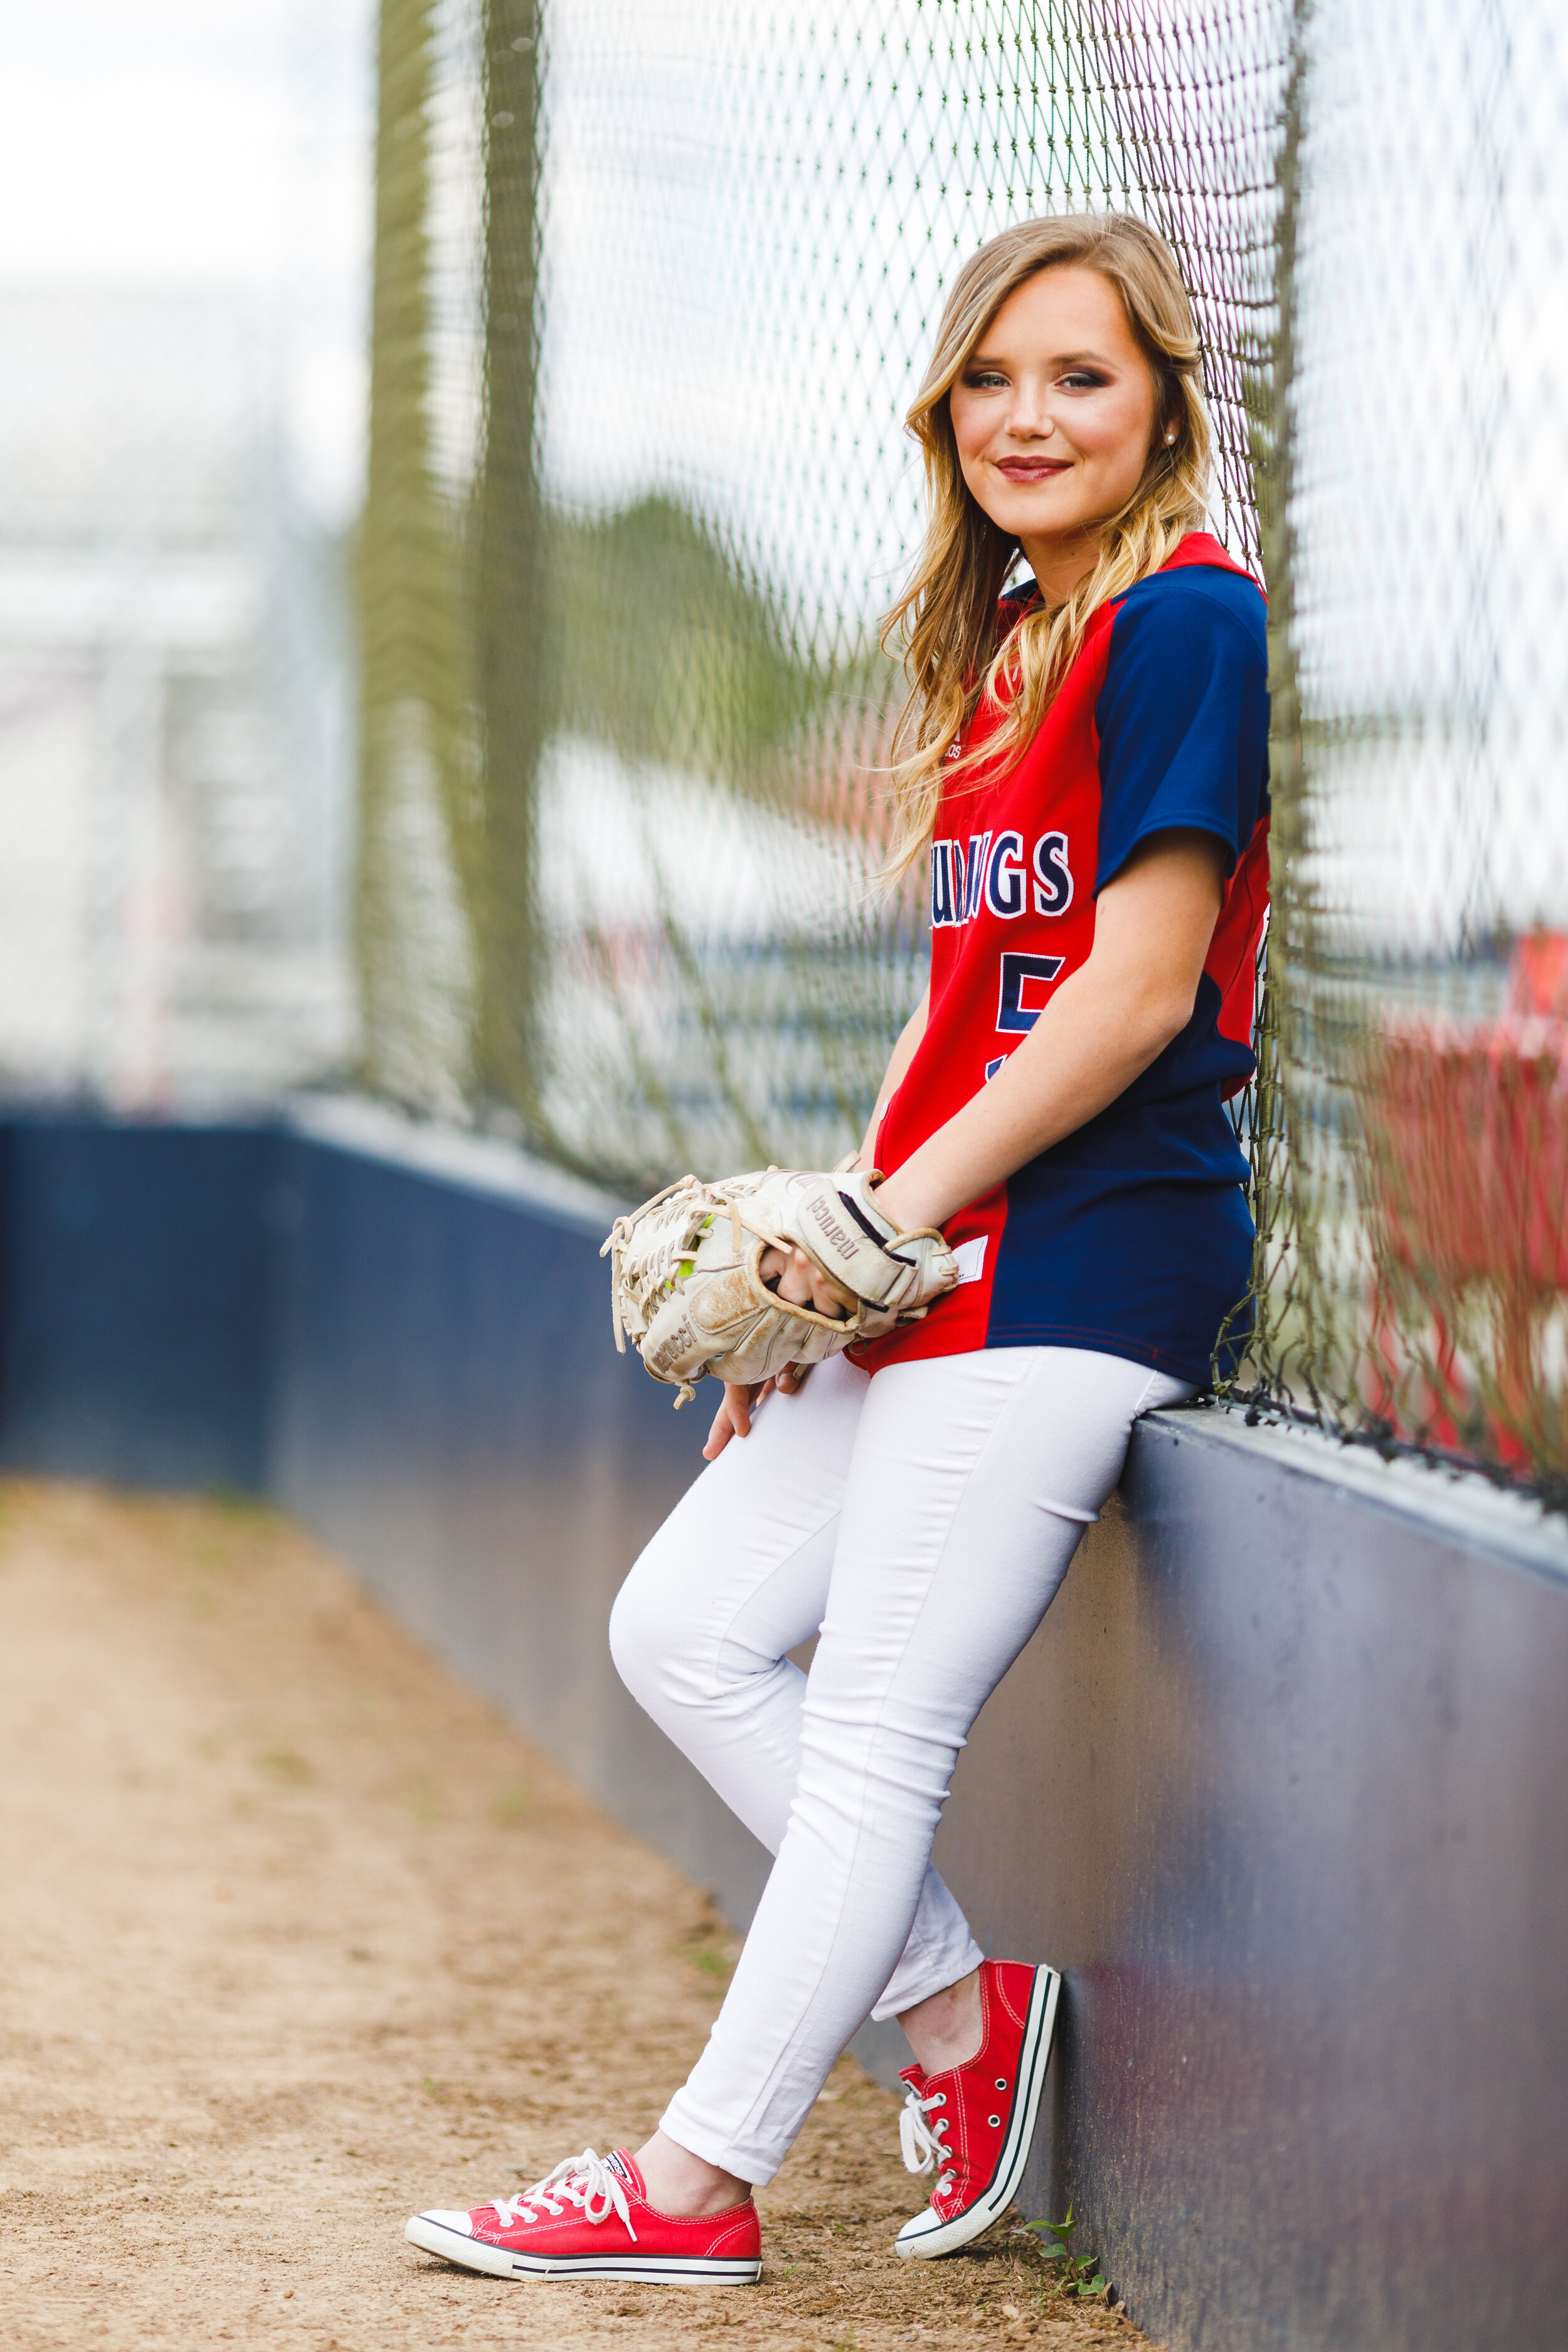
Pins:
<point x="680" y="2183"/>
<point x="947" y="2029"/>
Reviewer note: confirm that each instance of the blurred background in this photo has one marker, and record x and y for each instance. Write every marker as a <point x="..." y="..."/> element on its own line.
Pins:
<point x="451" y="470"/>
<point x="184" y="241"/>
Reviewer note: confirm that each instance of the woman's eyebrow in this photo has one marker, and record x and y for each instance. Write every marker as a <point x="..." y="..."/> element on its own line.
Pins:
<point x="1057" y="360"/>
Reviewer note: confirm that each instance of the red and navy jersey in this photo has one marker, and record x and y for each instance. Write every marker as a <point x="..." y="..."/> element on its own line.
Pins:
<point x="1132" y="1235"/>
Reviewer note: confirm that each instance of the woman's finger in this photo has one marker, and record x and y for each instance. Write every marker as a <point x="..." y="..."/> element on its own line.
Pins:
<point x="733" y="1418"/>
<point x="718" y="1436"/>
<point x="824" y="1293"/>
<point x="797" y="1280"/>
<point x="787" y="1273"/>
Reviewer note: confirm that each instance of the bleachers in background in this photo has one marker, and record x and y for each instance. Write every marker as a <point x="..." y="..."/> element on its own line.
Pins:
<point x="1280" y="1781"/>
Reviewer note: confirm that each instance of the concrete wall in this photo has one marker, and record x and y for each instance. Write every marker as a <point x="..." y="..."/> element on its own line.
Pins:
<point x="1280" y="1781"/>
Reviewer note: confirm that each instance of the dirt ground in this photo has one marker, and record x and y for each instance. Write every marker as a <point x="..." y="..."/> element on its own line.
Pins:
<point x="297" y="1937"/>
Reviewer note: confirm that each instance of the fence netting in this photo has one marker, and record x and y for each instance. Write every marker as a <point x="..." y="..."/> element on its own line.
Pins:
<point x="654" y="286"/>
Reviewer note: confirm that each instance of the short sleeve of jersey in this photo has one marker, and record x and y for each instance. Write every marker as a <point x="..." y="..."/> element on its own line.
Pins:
<point x="1182" y="714"/>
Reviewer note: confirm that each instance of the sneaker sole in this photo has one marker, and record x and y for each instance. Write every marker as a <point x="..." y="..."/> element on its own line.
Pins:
<point x="498" y="2261"/>
<point x="925" y="2238"/>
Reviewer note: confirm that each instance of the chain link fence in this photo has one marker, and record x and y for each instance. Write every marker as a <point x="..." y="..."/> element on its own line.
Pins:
<point x="654" y="285"/>
<point x="1413" y="1194"/>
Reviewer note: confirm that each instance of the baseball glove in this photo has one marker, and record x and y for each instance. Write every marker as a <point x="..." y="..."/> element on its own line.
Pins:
<point x="686" y="1281"/>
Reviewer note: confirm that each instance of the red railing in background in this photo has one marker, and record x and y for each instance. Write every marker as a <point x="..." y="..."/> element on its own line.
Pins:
<point x="1466" y="1131"/>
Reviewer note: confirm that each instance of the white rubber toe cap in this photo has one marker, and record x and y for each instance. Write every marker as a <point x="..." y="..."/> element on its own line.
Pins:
<point x="451" y="2235"/>
<point x="912" y="2238"/>
<point x="463" y="2224"/>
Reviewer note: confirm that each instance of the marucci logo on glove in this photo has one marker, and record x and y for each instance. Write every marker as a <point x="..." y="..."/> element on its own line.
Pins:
<point x="833" y="1233"/>
<point x="686" y="1274"/>
<point x="675" y="1347"/>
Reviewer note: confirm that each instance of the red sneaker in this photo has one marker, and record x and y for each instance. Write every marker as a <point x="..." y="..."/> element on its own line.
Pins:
<point x="985" y="2111"/>
<point x="590" y="2220"/>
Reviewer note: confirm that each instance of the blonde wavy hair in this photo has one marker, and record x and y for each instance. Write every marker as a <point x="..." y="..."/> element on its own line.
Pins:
<point x="946" y="619"/>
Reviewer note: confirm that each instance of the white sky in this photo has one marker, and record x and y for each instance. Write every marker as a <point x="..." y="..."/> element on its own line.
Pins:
<point x="205" y="143"/>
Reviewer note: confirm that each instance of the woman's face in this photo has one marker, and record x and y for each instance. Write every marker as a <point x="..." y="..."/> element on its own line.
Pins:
<point x="1053" y="417"/>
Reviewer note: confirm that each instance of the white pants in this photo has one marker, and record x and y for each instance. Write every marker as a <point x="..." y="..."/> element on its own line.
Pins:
<point x="924" y="1520"/>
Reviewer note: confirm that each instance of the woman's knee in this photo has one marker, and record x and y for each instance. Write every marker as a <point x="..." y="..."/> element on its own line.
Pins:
<point x="639" y="1630"/>
<point x="659" y="1636"/>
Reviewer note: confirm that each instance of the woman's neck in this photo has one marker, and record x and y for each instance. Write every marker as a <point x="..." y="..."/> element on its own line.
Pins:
<point x="1058" y="564"/>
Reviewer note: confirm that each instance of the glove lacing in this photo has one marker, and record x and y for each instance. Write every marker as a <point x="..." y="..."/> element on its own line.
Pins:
<point x="584" y="2182"/>
<point x="646" y="1285"/>
<point x="922" y="2143"/>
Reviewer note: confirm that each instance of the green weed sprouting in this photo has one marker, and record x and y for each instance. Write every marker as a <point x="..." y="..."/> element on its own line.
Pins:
<point x="1077" y="2274"/>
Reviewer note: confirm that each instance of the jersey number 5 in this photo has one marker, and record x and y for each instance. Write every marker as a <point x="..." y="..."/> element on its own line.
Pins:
<point x="1017" y="972"/>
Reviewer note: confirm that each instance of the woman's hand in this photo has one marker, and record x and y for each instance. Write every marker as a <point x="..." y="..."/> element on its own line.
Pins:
<point x="799" y="1282"/>
<point x="733" y="1418"/>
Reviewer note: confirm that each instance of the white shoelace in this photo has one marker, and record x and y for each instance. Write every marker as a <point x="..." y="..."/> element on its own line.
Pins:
<point x="586" y="2181"/>
<point x="922" y="2142"/>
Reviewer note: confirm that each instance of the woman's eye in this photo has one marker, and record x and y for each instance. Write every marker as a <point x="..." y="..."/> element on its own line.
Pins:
<point x="1083" y="380"/>
<point x="984" y="380"/>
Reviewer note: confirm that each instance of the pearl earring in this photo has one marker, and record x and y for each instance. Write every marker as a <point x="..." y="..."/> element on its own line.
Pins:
<point x="1169" y="438"/>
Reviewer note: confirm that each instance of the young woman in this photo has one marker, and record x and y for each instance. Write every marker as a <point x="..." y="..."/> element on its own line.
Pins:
<point x="1088" y="777"/>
